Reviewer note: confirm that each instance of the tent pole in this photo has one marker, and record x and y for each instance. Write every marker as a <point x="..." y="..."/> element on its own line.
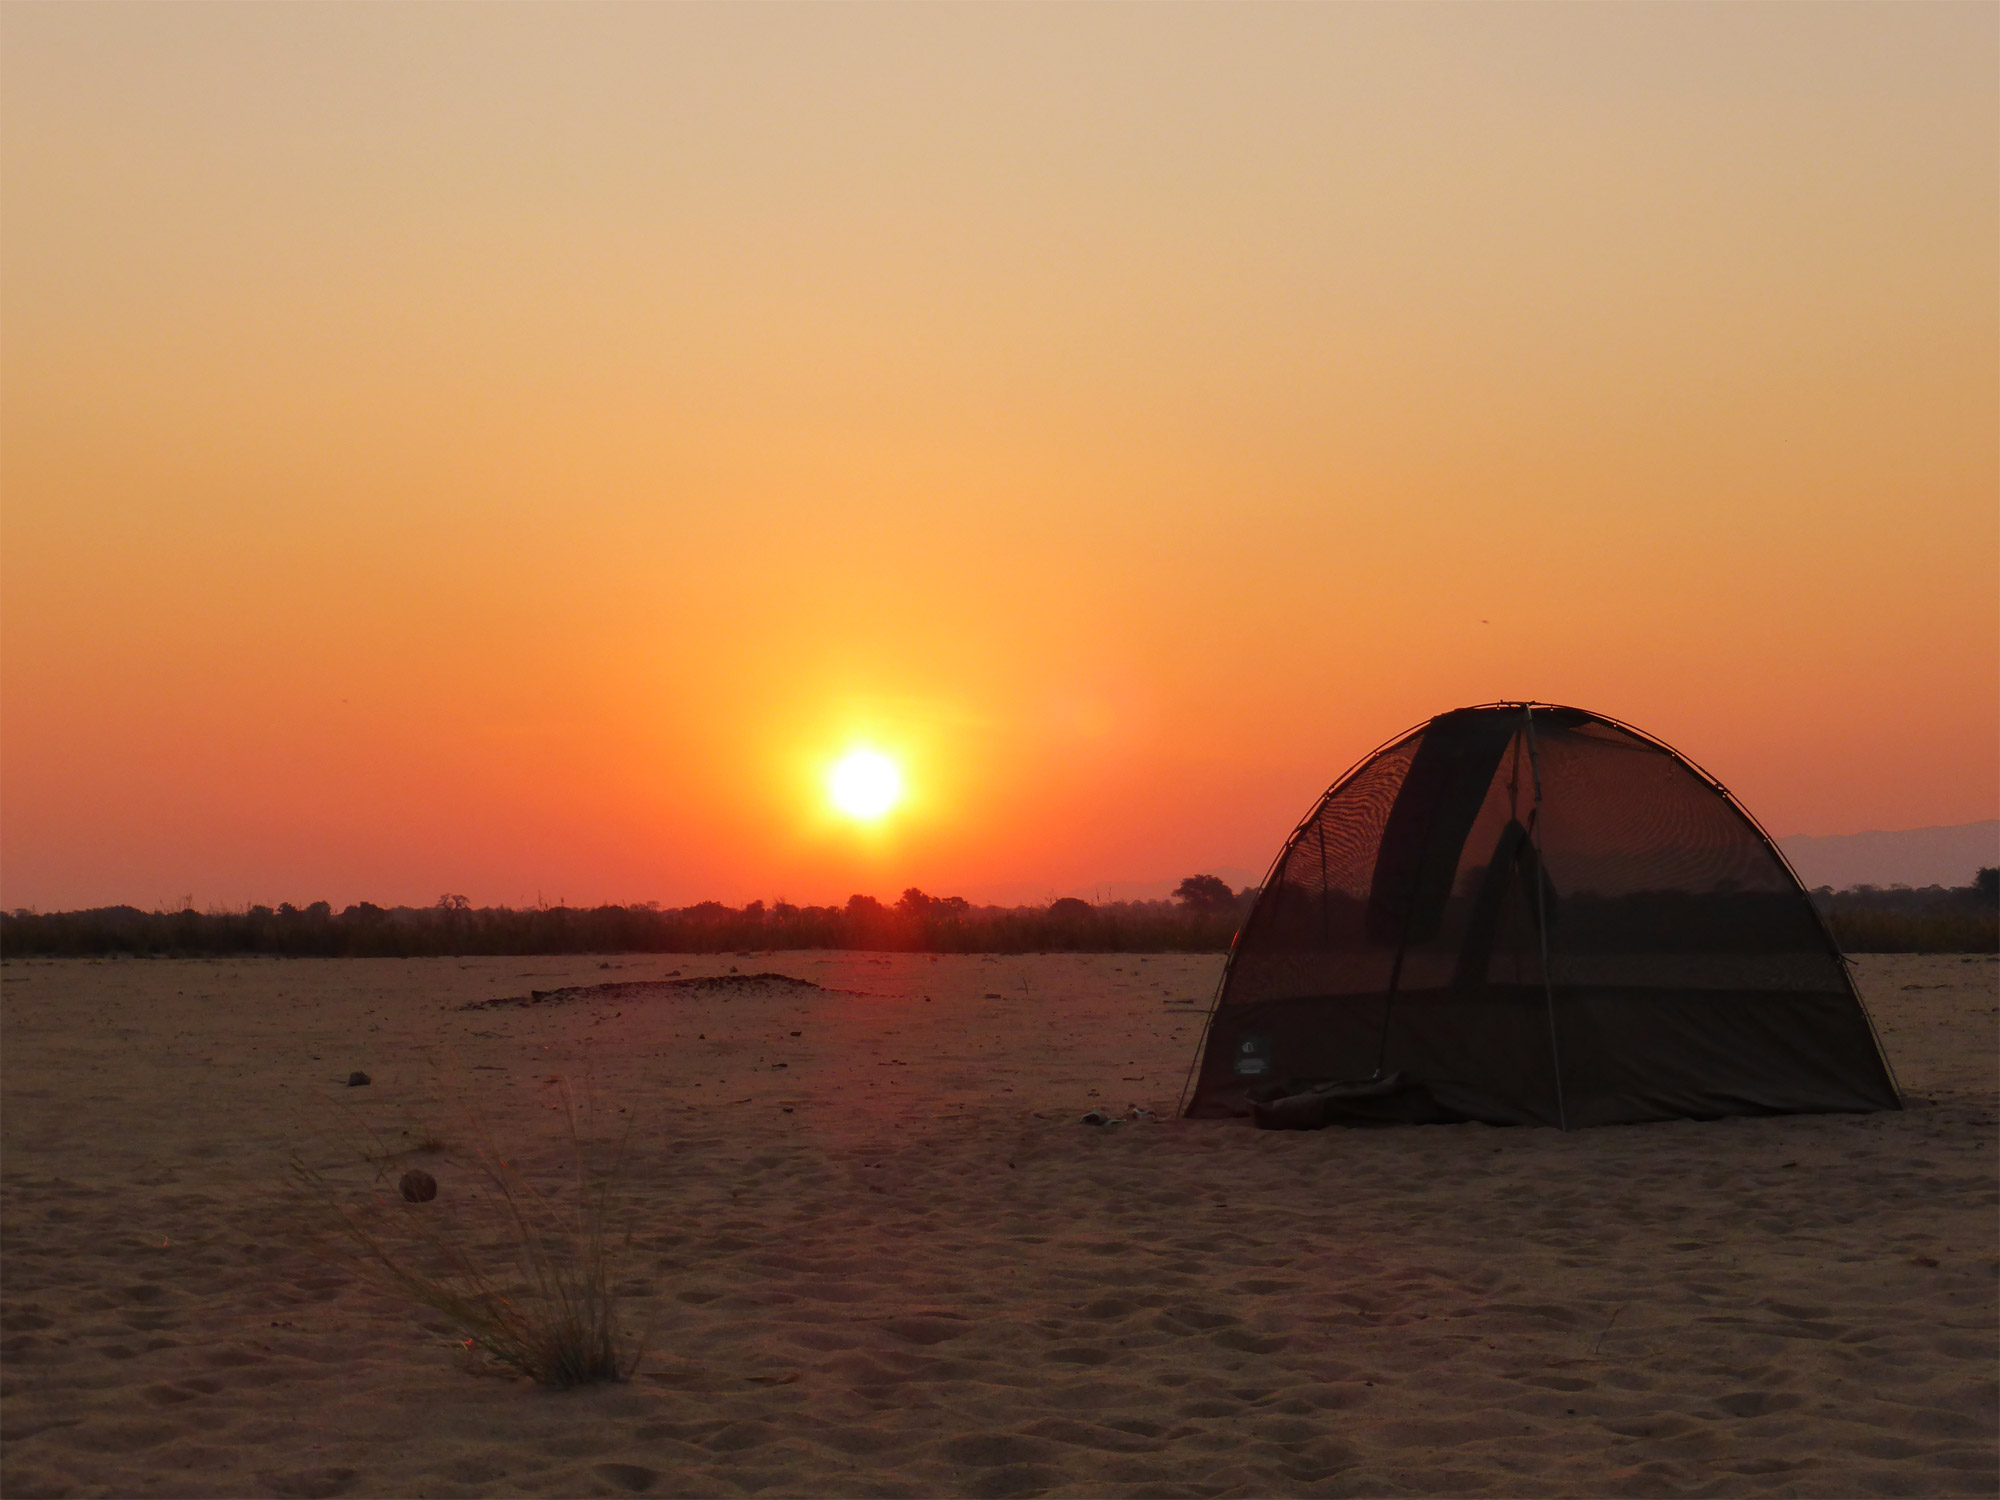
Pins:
<point x="1396" y="968"/>
<point x="1542" y="917"/>
<point x="1388" y="1010"/>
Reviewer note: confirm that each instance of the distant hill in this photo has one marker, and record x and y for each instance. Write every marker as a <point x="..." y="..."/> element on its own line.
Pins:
<point x="1909" y="856"/>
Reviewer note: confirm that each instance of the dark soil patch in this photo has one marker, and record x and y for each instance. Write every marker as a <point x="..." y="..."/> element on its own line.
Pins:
<point x="724" y="985"/>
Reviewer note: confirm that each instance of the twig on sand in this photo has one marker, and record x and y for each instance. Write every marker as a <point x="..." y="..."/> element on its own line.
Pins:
<point x="1607" y="1327"/>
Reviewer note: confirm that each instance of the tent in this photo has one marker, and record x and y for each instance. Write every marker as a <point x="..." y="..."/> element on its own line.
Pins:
<point x="1528" y="914"/>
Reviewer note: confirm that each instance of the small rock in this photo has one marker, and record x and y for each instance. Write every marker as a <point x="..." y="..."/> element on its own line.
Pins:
<point x="418" y="1186"/>
<point x="1096" y="1117"/>
<point x="358" y="1079"/>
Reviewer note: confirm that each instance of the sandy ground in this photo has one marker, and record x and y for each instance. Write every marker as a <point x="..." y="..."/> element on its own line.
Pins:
<point x="876" y="1253"/>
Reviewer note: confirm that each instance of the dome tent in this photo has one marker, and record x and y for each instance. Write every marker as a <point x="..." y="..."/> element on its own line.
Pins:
<point x="1528" y="914"/>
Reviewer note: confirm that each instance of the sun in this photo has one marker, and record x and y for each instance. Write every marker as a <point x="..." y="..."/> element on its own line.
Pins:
<point x="865" y="784"/>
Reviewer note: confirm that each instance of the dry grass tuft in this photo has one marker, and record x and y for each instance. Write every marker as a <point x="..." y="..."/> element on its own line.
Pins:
<point x="525" y="1272"/>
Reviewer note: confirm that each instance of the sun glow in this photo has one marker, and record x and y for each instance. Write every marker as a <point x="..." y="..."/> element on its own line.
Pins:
<point x="865" y="784"/>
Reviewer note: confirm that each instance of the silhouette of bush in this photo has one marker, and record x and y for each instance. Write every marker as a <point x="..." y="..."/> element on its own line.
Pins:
<point x="1208" y="895"/>
<point x="1931" y="919"/>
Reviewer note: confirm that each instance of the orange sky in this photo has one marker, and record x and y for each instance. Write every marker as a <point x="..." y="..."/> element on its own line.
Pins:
<point x="514" y="450"/>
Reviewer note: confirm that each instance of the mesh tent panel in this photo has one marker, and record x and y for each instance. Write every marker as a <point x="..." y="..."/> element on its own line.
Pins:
<point x="1404" y="927"/>
<point x="1664" y="883"/>
<point x="1309" y="933"/>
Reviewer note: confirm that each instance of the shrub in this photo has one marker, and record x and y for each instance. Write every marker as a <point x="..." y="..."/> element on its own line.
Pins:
<point x="526" y="1274"/>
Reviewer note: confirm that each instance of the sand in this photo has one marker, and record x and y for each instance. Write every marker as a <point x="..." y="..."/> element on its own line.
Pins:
<point x="882" y="1257"/>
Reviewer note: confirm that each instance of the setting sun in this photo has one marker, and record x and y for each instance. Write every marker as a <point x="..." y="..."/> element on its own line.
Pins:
<point x="866" y="784"/>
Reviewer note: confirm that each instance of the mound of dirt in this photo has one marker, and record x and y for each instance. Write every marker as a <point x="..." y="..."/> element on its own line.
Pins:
<point x="649" y="989"/>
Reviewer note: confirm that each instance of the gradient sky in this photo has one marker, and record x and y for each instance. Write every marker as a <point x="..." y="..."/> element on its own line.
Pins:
<point x="514" y="450"/>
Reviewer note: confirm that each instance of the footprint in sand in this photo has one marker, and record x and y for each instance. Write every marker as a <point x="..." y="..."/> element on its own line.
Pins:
<point x="309" y="1484"/>
<point x="633" y="1477"/>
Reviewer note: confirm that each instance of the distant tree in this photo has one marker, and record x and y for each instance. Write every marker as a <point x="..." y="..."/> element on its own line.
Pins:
<point x="867" y="923"/>
<point x="913" y="903"/>
<point x="1987" y="883"/>
<point x="453" y="903"/>
<point x="1070" y="909"/>
<point x="1206" y="895"/>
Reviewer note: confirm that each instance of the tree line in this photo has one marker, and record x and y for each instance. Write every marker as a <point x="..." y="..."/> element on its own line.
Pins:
<point x="1202" y="918"/>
